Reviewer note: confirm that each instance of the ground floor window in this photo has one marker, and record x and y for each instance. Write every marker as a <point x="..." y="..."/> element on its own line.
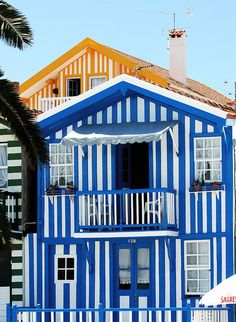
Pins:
<point x="197" y="267"/>
<point x="65" y="268"/>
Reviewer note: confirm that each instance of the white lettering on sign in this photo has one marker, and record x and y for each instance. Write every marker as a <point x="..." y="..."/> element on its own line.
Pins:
<point x="131" y="241"/>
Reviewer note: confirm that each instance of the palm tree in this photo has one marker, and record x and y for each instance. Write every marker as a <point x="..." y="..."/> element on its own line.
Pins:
<point x="15" y="31"/>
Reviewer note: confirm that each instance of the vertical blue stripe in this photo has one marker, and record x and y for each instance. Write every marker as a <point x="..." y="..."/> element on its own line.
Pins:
<point x="94" y="167"/>
<point x="68" y="216"/>
<point x="200" y="213"/>
<point x="147" y="110"/>
<point x="133" y="108"/>
<point x="182" y="167"/>
<point x="161" y="264"/>
<point x="123" y="110"/>
<point x="219" y="260"/>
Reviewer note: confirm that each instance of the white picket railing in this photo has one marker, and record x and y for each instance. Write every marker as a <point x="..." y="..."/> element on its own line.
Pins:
<point x="126" y="208"/>
<point x="47" y="103"/>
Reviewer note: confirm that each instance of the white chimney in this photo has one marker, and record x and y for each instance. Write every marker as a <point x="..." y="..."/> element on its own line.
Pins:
<point x="177" y="51"/>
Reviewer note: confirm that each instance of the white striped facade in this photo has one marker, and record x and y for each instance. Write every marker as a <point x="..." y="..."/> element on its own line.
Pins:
<point x="201" y="215"/>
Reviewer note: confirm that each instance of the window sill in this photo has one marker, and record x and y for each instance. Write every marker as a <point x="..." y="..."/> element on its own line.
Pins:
<point x="59" y="192"/>
<point x="207" y="188"/>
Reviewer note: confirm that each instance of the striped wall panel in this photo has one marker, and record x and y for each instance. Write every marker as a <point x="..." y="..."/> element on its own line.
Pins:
<point x="17" y="273"/>
<point x="95" y="281"/>
<point x="197" y="212"/>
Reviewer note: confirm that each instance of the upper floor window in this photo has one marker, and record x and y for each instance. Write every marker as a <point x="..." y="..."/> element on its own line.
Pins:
<point x="197" y="267"/>
<point x="95" y="81"/>
<point x="61" y="165"/>
<point x="73" y="87"/>
<point x="3" y="166"/>
<point x="208" y="157"/>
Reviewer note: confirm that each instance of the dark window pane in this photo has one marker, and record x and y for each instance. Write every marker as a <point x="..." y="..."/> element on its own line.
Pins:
<point x="70" y="262"/>
<point x="70" y="274"/>
<point x="61" y="262"/>
<point x="61" y="275"/>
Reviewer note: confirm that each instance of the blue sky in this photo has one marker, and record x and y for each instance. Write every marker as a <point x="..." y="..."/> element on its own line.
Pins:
<point x="136" y="27"/>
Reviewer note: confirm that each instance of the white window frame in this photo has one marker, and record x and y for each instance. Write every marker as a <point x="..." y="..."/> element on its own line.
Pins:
<point x="196" y="267"/>
<point x="5" y="167"/>
<point x="57" y="256"/>
<point x="207" y="159"/>
<point x="67" y="86"/>
<point x="93" y="77"/>
<point x="62" y="164"/>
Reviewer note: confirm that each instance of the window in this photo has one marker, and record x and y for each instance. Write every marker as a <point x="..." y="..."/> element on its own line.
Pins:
<point x="61" y="165"/>
<point x="197" y="267"/>
<point x="3" y="166"/>
<point x="208" y="157"/>
<point x="95" y="81"/>
<point x="65" y="268"/>
<point x="73" y="86"/>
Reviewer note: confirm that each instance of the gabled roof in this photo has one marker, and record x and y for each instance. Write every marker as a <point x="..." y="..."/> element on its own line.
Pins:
<point x="156" y="74"/>
<point x="106" y="94"/>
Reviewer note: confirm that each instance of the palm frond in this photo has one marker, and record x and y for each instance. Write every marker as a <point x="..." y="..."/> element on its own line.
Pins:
<point x="22" y="124"/>
<point x="5" y="237"/>
<point x="15" y="30"/>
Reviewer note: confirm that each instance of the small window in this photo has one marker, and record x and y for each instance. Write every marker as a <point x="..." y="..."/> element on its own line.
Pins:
<point x="208" y="159"/>
<point x="197" y="267"/>
<point x="73" y="87"/>
<point x="95" y="81"/>
<point x="61" y="165"/>
<point x="65" y="268"/>
<point x="3" y="166"/>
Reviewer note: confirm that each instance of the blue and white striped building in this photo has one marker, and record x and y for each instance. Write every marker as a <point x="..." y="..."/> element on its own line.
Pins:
<point x="126" y="225"/>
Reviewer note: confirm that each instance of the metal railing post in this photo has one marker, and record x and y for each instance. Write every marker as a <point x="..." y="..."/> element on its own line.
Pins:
<point x="101" y="313"/>
<point x="38" y="313"/>
<point x="14" y="313"/>
<point x="188" y="311"/>
<point x="8" y="313"/>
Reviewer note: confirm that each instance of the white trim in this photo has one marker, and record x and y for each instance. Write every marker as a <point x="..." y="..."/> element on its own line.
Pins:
<point x="56" y="256"/>
<point x="140" y="83"/>
<point x="126" y="234"/>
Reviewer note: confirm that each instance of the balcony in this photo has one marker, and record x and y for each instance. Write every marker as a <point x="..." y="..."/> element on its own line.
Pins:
<point x="45" y="104"/>
<point x="124" y="210"/>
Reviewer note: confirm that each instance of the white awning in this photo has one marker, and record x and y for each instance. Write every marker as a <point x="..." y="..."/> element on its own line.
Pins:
<point x="120" y="133"/>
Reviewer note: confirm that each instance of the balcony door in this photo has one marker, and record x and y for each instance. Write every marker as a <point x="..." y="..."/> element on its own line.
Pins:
<point x="132" y="166"/>
<point x="133" y="280"/>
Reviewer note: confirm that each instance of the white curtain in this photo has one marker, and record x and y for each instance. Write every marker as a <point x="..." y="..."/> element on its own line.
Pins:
<point x="143" y="265"/>
<point x="142" y="269"/>
<point x="3" y="166"/>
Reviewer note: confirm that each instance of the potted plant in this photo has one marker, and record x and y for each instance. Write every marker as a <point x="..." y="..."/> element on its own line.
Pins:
<point x="196" y="185"/>
<point x="53" y="188"/>
<point x="70" y="188"/>
<point x="215" y="184"/>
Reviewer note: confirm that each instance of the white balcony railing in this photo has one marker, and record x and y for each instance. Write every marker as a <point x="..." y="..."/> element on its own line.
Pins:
<point x="47" y="103"/>
<point x="124" y="209"/>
